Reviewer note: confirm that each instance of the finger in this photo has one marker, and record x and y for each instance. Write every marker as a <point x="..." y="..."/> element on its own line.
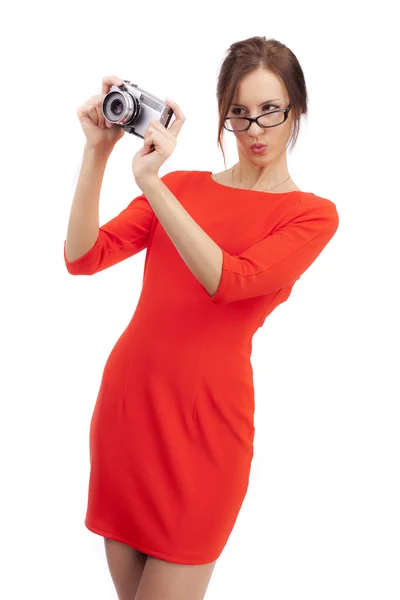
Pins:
<point x="92" y="112"/>
<point x="108" y="82"/>
<point x="94" y="102"/>
<point x="153" y="138"/>
<point x="164" y="144"/>
<point x="147" y="143"/>
<point x="99" y="108"/>
<point x="179" y="116"/>
<point x="159" y="127"/>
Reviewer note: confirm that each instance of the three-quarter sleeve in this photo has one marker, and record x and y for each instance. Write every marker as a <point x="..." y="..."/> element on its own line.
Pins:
<point x="280" y="258"/>
<point x="118" y="239"/>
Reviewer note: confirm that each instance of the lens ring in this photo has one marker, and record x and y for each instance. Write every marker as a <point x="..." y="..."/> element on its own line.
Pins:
<point x="119" y="107"/>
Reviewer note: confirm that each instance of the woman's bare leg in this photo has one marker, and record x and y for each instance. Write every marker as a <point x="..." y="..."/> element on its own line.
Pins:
<point x="164" y="580"/>
<point x="126" y="567"/>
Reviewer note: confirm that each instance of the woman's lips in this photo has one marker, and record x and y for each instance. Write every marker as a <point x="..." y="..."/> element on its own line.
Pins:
<point x="258" y="149"/>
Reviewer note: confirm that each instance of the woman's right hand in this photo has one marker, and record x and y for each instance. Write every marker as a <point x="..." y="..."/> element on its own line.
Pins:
<point x="99" y="132"/>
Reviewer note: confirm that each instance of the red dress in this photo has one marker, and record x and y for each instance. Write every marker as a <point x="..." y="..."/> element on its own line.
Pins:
<point x="171" y="437"/>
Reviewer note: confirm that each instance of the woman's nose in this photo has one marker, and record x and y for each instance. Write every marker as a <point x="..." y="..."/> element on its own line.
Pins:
<point x="255" y="129"/>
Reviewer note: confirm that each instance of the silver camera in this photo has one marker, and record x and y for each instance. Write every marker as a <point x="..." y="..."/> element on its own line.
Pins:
<point x="133" y="108"/>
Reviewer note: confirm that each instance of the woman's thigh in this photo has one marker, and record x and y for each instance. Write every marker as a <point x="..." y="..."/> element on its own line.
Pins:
<point x="126" y="567"/>
<point x="162" y="580"/>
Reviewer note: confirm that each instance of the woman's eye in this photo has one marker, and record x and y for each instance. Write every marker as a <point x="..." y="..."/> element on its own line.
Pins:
<point x="266" y="108"/>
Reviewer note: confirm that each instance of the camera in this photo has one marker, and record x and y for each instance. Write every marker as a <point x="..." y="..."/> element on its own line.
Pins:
<point x="133" y="108"/>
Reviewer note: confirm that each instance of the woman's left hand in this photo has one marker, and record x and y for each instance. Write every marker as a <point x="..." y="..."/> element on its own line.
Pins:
<point x="146" y="164"/>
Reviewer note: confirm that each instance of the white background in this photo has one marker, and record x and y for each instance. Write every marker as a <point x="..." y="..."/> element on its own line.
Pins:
<point x="321" y="518"/>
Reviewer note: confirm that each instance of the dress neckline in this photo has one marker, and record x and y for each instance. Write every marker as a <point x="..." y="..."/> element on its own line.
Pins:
<point x="209" y="173"/>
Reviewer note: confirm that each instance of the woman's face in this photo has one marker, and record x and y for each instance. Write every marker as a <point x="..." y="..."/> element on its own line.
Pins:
<point x="259" y="92"/>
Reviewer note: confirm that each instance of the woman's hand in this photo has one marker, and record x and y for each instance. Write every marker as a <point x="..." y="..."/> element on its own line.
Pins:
<point x="99" y="132"/>
<point x="146" y="163"/>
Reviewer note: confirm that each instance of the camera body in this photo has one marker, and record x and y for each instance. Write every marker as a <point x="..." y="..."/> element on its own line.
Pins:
<point x="132" y="108"/>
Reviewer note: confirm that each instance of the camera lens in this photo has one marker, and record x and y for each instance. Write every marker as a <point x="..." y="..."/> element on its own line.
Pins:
<point x="116" y="107"/>
<point x="121" y="108"/>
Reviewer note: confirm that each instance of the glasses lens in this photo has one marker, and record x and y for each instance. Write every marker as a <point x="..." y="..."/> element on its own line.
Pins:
<point x="236" y="124"/>
<point x="273" y="118"/>
<point x="268" y="120"/>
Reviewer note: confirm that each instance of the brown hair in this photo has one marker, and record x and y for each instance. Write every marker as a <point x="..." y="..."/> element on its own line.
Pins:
<point x="249" y="55"/>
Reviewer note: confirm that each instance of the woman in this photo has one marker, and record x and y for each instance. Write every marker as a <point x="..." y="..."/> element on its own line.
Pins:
<point x="171" y="439"/>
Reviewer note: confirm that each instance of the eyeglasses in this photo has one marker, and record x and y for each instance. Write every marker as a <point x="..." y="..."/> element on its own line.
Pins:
<point x="269" y="119"/>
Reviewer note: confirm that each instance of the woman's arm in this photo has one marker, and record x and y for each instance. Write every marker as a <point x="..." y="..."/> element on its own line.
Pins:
<point x="268" y="266"/>
<point x="83" y="225"/>
<point x="201" y="254"/>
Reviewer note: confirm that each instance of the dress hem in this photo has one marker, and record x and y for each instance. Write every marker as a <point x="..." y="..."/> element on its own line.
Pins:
<point x="154" y="553"/>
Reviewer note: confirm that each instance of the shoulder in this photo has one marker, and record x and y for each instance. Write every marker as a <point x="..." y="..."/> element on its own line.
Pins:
<point x="311" y="206"/>
<point x="175" y="179"/>
<point x="180" y="175"/>
<point x="172" y="175"/>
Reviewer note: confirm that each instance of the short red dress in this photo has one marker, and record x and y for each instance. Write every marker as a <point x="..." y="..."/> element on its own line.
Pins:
<point x="171" y="437"/>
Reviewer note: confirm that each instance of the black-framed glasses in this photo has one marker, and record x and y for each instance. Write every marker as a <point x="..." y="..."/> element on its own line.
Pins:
<point x="270" y="119"/>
